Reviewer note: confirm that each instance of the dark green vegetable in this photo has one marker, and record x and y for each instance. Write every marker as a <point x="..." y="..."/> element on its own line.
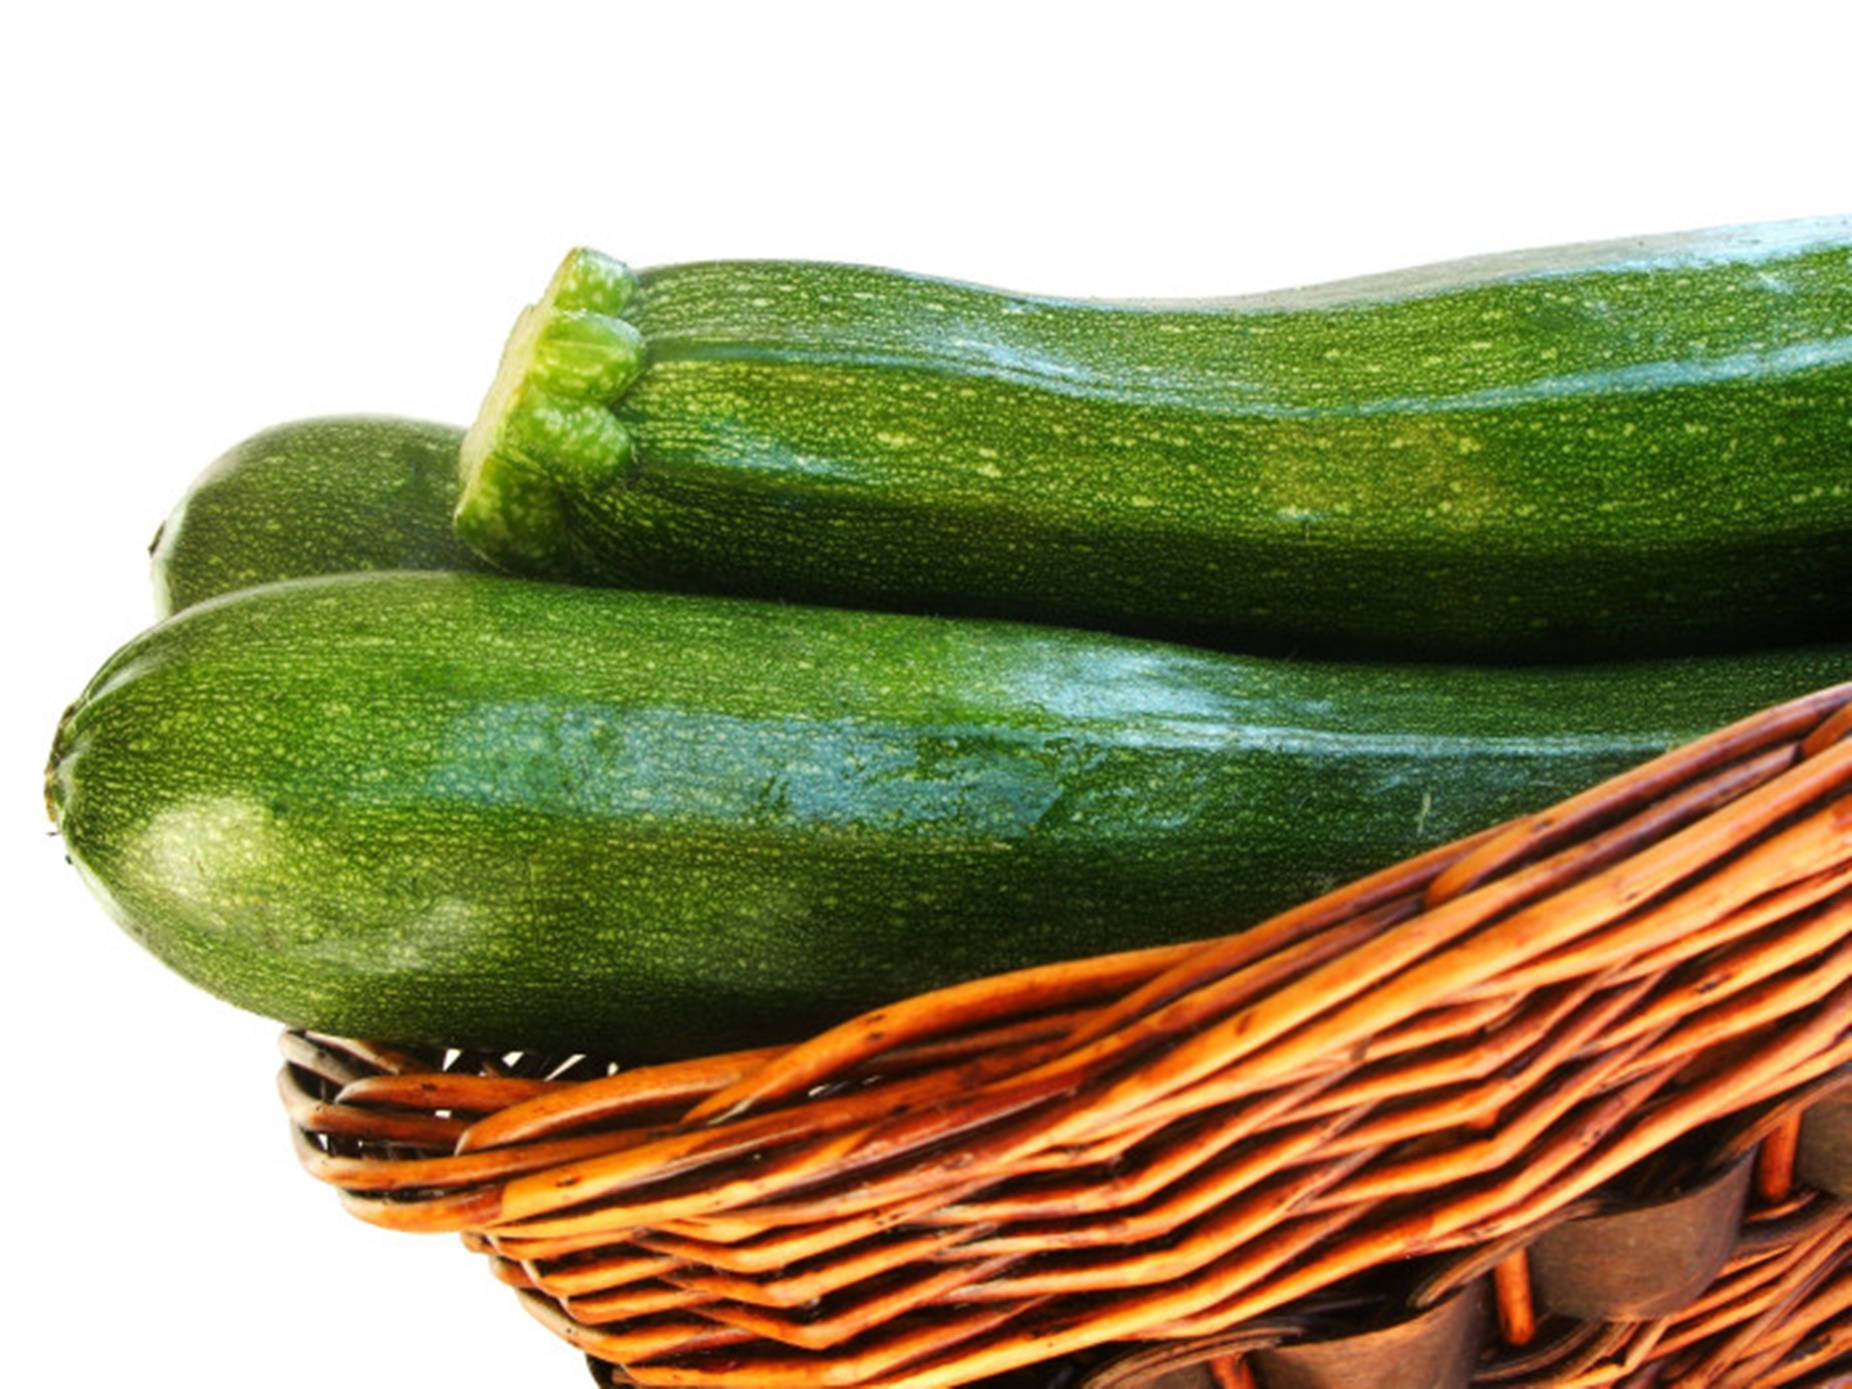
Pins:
<point x="469" y="809"/>
<point x="1636" y="446"/>
<point x="320" y="496"/>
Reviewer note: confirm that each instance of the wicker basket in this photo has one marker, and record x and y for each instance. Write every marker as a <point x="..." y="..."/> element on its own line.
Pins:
<point x="1562" y="1103"/>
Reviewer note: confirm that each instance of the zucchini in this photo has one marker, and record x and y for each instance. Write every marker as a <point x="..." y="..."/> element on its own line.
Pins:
<point x="318" y="496"/>
<point x="1594" y="450"/>
<point x="470" y="809"/>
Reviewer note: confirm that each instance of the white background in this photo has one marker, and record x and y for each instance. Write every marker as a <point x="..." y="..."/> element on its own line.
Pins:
<point x="220" y="219"/>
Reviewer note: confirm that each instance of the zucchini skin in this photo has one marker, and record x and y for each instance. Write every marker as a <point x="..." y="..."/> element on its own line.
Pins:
<point x="1600" y="450"/>
<point x="314" y="496"/>
<point x="468" y="809"/>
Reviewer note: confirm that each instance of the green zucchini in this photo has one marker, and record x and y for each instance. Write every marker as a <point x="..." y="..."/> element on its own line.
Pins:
<point x="470" y="809"/>
<point x="318" y="496"/>
<point x="1593" y="450"/>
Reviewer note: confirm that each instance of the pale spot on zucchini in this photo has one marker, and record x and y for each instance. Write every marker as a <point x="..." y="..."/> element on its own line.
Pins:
<point x="222" y="855"/>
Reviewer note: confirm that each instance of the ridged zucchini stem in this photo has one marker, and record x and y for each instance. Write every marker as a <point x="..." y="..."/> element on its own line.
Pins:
<point x="547" y="414"/>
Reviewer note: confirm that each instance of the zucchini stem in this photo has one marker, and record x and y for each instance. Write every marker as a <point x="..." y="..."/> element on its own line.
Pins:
<point x="546" y="422"/>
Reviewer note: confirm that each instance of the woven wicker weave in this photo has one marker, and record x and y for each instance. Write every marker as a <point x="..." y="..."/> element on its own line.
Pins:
<point x="1403" y="1084"/>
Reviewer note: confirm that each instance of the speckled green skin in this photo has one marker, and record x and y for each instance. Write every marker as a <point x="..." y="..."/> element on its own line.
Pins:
<point x="1643" y="445"/>
<point x="317" y="496"/>
<point x="474" y="809"/>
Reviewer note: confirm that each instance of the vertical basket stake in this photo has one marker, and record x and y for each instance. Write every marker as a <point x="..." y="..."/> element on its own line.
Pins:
<point x="1775" y="1160"/>
<point x="1517" y="1316"/>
